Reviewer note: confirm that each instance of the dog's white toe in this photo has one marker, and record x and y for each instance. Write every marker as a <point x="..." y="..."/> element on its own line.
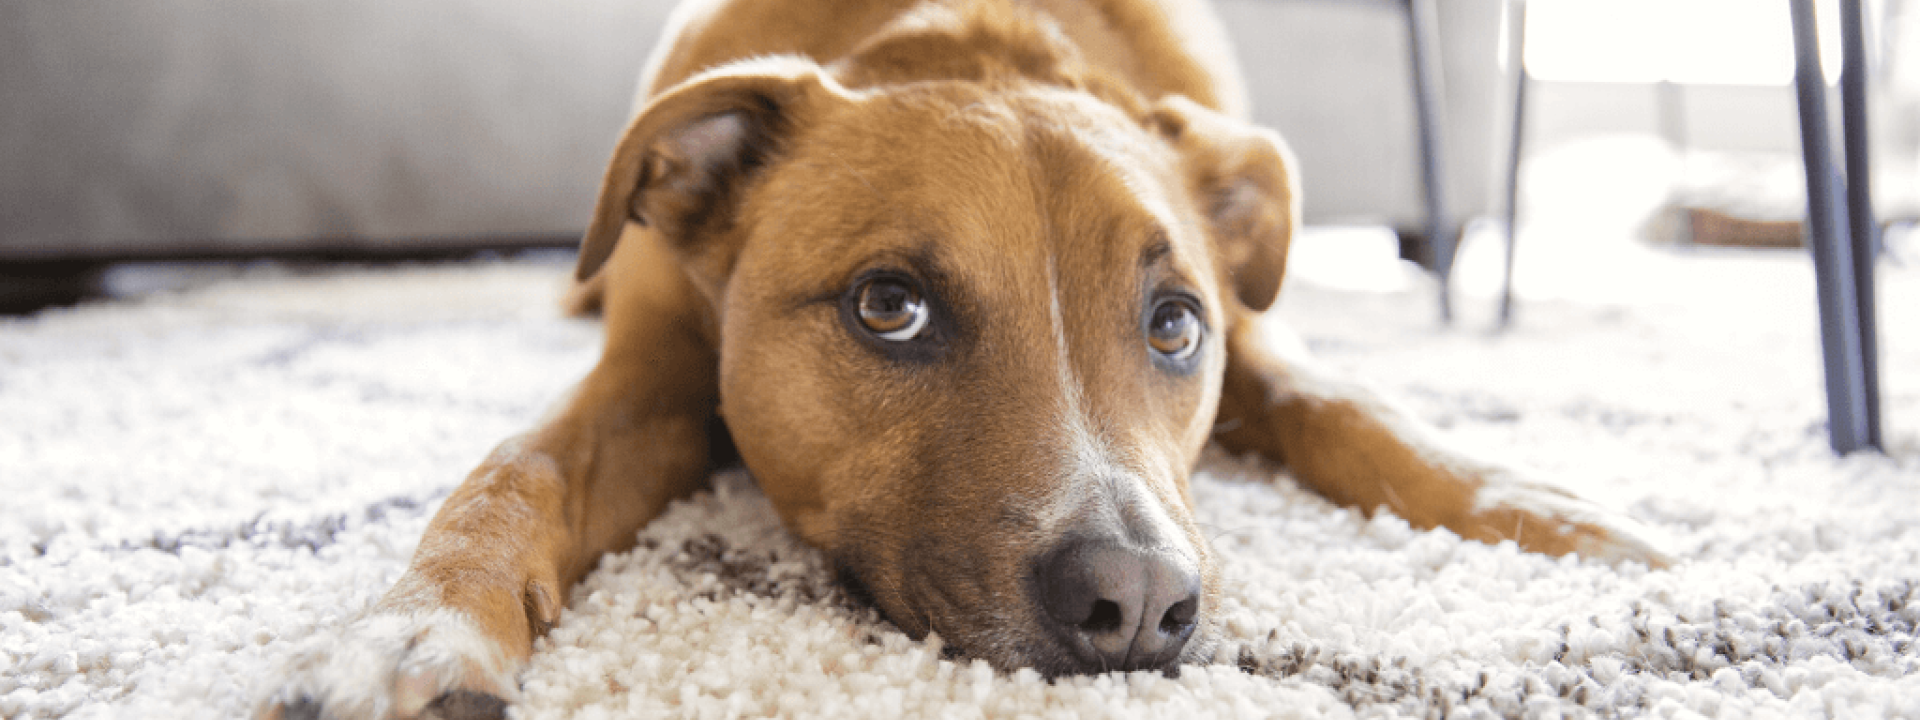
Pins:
<point x="1563" y="522"/>
<point x="395" y="665"/>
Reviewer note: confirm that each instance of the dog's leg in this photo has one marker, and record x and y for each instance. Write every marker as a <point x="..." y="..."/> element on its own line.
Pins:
<point x="1354" y="447"/>
<point x="494" y="567"/>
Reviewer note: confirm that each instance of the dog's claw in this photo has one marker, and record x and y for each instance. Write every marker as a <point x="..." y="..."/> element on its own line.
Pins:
<point x="302" y="708"/>
<point x="542" y="612"/>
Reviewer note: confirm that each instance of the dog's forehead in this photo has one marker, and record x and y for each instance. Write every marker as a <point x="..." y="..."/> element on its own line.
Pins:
<point x="995" y="180"/>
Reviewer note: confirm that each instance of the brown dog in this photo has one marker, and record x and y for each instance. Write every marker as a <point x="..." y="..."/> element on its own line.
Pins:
<point x="968" y="284"/>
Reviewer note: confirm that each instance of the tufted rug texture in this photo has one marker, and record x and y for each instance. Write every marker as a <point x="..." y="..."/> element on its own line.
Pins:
<point x="195" y="482"/>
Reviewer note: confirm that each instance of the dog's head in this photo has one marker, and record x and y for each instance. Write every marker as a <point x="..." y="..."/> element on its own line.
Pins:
<point x="971" y="335"/>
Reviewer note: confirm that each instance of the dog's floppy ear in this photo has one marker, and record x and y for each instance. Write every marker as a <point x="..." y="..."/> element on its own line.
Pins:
<point x="678" y="163"/>
<point x="1243" y="178"/>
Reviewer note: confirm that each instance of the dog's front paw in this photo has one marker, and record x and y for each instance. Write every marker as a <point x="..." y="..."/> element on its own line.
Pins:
<point x="428" y="664"/>
<point x="1545" y="519"/>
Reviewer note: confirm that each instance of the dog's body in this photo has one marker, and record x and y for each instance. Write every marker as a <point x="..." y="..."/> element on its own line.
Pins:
<point x="970" y="283"/>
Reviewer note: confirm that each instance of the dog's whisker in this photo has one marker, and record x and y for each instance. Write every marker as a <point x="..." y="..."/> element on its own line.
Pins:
<point x="1393" y="499"/>
<point x="1218" y="532"/>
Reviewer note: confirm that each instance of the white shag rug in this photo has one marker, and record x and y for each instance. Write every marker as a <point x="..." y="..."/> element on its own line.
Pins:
<point x="196" y="482"/>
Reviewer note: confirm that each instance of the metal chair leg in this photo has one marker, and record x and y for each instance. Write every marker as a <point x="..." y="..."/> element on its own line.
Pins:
<point x="1423" y="36"/>
<point x="1865" y="231"/>
<point x="1518" y="58"/>
<point x="1834" y="265"/>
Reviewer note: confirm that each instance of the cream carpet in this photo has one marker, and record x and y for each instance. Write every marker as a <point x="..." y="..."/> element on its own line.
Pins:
<point x="196" y="481"/>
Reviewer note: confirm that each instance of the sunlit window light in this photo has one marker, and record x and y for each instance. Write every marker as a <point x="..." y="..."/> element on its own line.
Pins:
<point x="1722" y="42"/>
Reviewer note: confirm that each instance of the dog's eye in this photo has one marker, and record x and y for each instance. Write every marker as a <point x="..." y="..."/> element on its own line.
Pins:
<point x="1173" y="330"/>
<point x="891" y="309"/>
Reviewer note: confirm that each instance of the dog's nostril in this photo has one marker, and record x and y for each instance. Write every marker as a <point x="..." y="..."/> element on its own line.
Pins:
<point x="1105" y="617"/>
<point x="1179" y="618"/>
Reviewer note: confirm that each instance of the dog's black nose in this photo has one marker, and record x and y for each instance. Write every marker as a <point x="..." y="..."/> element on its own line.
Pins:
<point x="1119" y="607"/>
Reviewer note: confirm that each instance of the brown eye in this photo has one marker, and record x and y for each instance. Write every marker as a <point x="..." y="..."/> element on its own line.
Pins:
<point x="892" y="309"/>
<point x="1173" y="330"/>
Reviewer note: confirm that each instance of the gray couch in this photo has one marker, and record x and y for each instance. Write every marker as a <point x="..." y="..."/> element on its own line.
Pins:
<point x="157" y="128"/>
